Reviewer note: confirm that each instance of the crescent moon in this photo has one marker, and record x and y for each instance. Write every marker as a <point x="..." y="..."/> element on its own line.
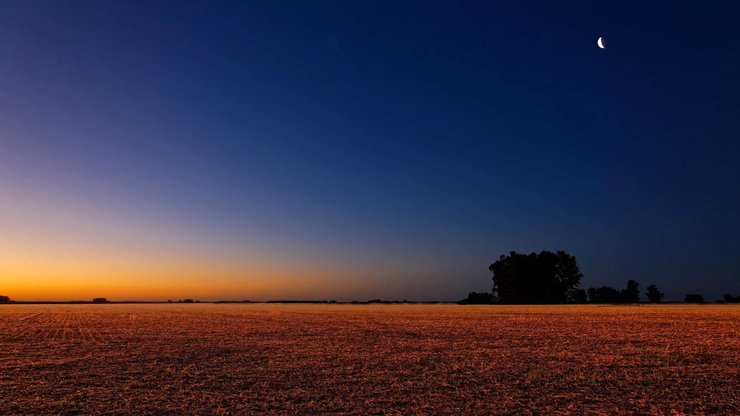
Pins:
<point x="600" y="42"/>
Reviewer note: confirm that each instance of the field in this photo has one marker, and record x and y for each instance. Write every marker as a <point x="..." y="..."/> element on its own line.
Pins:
<point x="369" y="359"/>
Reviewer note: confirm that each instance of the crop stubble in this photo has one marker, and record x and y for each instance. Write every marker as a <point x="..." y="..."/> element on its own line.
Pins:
<point x="368" y="359"/>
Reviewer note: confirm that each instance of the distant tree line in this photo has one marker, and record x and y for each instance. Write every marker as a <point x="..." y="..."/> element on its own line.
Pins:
<point x="477" y="298"/>
<point x="727" y="298"/>
<point x="4" y="299"/>
<point x="553" y="278"/>
<point x="630" y="294"/>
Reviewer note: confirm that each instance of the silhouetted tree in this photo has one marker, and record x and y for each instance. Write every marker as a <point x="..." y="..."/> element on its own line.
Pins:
<point x="100" y="300"/>
<point x="653" y="294"/>
<point x="535" y="278"/>
<point x="4" y="299"/>
<point x="579" y="296"/>
<point x="694" y="298"/>
<point x="604" y="294"/>
<point x="731" y="299"/>
<point x="477" y="298"/>
<point x="632" y="293"/>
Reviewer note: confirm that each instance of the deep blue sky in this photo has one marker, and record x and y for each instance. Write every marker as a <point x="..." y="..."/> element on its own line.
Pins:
<point x="416" y="141"/>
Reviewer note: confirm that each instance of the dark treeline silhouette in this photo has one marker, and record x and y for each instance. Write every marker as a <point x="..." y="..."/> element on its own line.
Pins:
<point x="4" y="299"/>
<point x="553" y="278"/>
<point x="477" y="298"/>
<point x="631" y="294"/>
<point x="300" y="301"/>
<point x="579" y="296"/>
<point x="535" y="278"/>
<point x="653" y="294"/>
<point x="606" y="294"/>
<point x="694" y="298"/>
<point x="229" y="301"/>
<point x="727" y="298"/>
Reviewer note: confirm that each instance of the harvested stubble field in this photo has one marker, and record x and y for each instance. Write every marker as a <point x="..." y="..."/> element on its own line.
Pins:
<point x="368" y="359"/>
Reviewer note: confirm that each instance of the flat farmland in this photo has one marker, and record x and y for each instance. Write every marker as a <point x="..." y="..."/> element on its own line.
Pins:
<point x="369" y="359"/>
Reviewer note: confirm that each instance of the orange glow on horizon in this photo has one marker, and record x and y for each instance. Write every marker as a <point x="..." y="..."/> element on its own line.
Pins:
<point x="54" y="248"/>
<point x="141" y="281"/>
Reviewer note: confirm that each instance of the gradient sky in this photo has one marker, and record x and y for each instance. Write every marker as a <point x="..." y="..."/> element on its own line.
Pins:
<point x="353" y="150"/>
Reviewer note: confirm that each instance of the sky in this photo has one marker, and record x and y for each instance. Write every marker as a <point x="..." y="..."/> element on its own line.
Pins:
<point x="358" y="150"/>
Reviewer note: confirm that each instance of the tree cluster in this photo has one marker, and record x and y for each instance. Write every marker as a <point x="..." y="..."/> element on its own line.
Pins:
<point x="477" y="298"/>
<point x="694" y="298"/>
<point x="4" y="299"/>
<point x="731" y="299"/>
<point x="653" y="294"/>
<point x="606" y="294"/>
<point x="551" y="278"/>
<point x="543" y="277"/>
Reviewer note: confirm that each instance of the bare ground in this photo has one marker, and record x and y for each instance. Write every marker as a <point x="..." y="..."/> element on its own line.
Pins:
<point x="369" y="359"/>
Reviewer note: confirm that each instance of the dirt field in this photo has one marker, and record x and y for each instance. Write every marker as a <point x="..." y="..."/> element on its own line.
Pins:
<point x="365" y="359"/>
